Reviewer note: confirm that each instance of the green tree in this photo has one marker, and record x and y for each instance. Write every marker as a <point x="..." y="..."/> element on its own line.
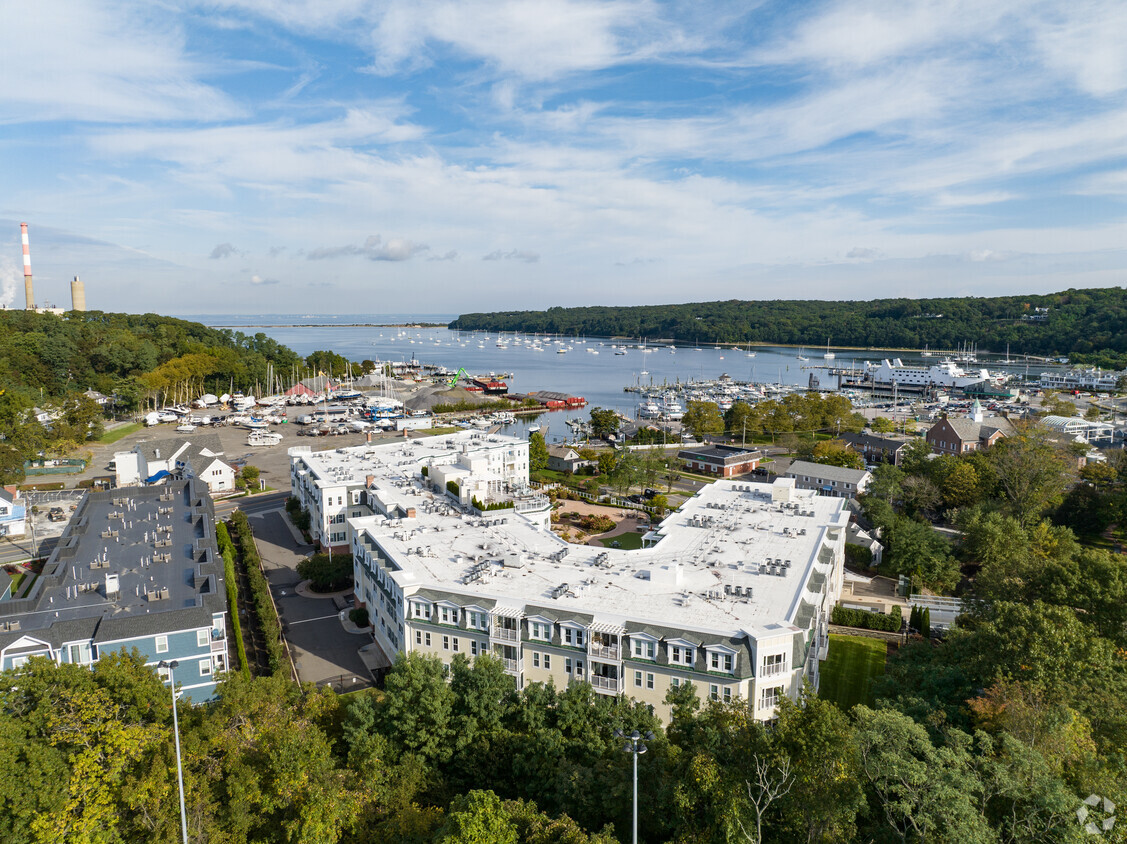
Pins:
<point x="537" y="452"/>
<point x="918" y="551"/>
<point x="703" y="417"/>
<point x="250" y="475"/>
<point x="923" y="791"/>
<point x="326" y="572"/>
<point x="603" y="422"/>
<point x="478" y="818"/>
<point x="837" y="453"/>
<point x="1032" y="472"/>
<point x="417" y="710"/>
<point x="882" y="425"/>
<point x="740" y="420"/>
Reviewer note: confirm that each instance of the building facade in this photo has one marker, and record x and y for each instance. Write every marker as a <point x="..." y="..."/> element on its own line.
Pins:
<point x="135" y="569"/>
<point x="731" y="593"/>
<point x="723" y="461"/>
<point x="13" y="512"/>
<point x="961" y="435"/>
<point x="833" y="481"/>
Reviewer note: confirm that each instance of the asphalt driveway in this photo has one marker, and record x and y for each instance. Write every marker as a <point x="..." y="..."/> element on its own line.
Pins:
<point x="322" y="651"/>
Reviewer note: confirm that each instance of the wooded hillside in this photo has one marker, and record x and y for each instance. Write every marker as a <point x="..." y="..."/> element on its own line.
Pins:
<point x="1077" y="323"/>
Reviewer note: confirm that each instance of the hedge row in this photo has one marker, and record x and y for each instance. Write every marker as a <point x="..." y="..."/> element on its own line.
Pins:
<point x="866" y="620"/>
<point x="491" y="506"/>
<point x="260" y="593"/>
<point x="227" y="551"/>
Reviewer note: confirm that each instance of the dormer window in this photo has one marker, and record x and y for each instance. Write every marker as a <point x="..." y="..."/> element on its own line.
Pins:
<point x="643" y="648"/>
<point x="448" y="615"/>
<point x="574" y="637"/>
<point x="681" y="655"/>
<point x="540" y="630"/>
<point x="420" y="610"/>
<point x="721" y="661"/>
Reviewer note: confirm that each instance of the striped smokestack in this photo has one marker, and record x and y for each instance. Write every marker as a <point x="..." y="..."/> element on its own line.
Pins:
<point x="28" y="290"/>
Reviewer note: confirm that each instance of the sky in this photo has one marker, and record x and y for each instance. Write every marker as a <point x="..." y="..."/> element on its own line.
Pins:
<point x="336" y="156"/>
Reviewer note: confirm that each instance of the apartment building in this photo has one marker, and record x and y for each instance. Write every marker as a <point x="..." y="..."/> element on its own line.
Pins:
<point x="135" y="568"/>
<point x="731" y="593"/>
<point x="834" y="481"/>
<point x="333" y="485"/>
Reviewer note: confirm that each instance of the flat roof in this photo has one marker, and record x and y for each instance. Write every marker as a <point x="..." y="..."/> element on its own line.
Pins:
<point x="717" y="539"/>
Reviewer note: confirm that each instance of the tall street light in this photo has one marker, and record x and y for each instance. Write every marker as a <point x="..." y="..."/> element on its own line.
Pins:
<point x="176" y="733"/>
<point x="634" y="747"/>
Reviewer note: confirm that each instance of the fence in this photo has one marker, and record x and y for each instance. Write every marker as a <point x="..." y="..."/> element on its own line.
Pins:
<point x="65" y="466"/>
<point x="608" y="500"/>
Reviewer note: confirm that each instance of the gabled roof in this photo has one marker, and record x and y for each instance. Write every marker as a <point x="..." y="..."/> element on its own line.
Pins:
<point x="872" y="441"/>
<point x="970" y="431"/>
<point x="827" y="472"/>
<point x="187" y="449"/>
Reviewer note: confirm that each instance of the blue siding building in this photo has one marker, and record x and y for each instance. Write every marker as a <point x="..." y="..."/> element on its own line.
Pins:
<point x="137" y="568"/>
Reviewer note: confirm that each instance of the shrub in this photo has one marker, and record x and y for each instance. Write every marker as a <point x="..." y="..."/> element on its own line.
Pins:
<point x="233" y="605"/>
<point x="597" y="524"/>
<point x="359" y="617"/>
<point x="493" y="505"/>
<point x="425" y="471"/>
<point x="264" y="612"/>
<point x="453" y="488"/>
<point x="866" y="620"/>
<point x="326" y="572"/>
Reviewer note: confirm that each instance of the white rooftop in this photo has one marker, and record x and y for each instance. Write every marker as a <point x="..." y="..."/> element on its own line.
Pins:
<point x="717" y="539"/>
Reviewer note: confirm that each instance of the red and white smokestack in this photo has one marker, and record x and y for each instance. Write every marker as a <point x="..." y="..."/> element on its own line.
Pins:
<point x="28" y="290"/>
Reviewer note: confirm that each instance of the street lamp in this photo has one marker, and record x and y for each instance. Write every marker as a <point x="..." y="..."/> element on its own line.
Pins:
<point x="635" y="747"/>
<point x="176" y="733"/>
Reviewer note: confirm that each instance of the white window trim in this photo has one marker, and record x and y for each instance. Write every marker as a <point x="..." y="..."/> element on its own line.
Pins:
<point x="205" y="667"/>
<point x="159" y="649"/>
<point x="202" y="638"/>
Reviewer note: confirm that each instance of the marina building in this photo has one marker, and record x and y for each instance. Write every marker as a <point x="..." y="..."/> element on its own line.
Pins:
<point x="731" y="593"/>
<point x="723" y="461"/>
<point x="135" y="568"/>
<point x="1089" y="379"/>
<point x="960" y="435"/>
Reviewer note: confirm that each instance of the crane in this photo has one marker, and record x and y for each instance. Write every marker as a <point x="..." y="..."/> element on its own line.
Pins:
<point x="457" y="375"/>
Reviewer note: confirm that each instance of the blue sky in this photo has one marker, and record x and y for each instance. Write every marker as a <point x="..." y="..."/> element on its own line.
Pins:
<point x="430" y="156"/>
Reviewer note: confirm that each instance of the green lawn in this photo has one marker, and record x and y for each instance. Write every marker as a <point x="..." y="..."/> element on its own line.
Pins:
<point x="627" y="541"/>
<point x="852" y="665"/>
<point x="117" y="433"/>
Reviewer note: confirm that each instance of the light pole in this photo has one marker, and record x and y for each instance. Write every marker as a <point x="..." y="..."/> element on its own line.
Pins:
<point x="176" y="733"/>
<point x="635" y="747"/>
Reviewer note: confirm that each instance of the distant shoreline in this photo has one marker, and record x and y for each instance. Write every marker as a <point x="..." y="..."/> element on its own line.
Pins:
<point x="336" y="325"/>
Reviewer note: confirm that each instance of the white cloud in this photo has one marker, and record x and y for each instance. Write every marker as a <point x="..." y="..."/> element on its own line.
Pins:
<point x="224" y="250"/>
<point x="257" y="280"/>
<point x="374" y="249"/>
<point x="101" y="62"/>
<point x="512" y="255"/>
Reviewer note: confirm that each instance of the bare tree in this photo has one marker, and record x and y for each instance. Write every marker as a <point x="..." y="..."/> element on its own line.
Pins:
<point x="772" y="782"/>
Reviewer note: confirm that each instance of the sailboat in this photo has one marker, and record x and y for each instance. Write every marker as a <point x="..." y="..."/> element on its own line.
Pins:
<point x="828" y="355"/>
<point x="749" y="352"/>
<point x="802" y="354"/>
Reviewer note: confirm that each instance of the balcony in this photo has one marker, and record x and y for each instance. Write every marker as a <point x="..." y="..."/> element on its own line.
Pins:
<point x="532" y="504"/>
<point x="773" y="670"/>
<point x="218" y="646"/>
<point x="512" y="666"/>
<point x="505" y="634"/>
<point x="604" y="651"/>
<point x="605" y="684"/>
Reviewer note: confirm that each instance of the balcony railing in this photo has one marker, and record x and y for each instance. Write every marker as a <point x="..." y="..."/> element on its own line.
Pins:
<point x="511" y="665"/>
<point x="218" y="645"/>
<point x="604" y="651"/>
<point x="606" y="684"/>
<point x="508" y="634"/>
<point x="532" y="504"/>
<point x="773" y="670"/>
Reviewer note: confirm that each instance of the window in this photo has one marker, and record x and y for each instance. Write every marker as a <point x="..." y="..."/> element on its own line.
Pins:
<point x="720" y="661"/>
<point x="649" y="680"/>
<point x="80" y="654"/>
<point x="774" y="664"/>
<point x="162" y="644"/>
<point x="205" y="667"/>
<point x="770" y="697"/>
<point x="201" y="638"/>
<point x="473" y="647"/>
<point x="535" y="659"/>
<point x="675" y="682"/>
<point x="477" y="620"/>
<point x="567" y="665"/>
<point x="418" y="637"/>
<point x="579" y="668"/>
<point x="727" y="695"/>
<point x="680" y="655"/>
<point x="643" y="649"/>
<point x="573" y="637"/>
<point x="426" y="639"/>
<point x="455" y="644"/>
<point x="445" y="643"/>
<point x="540" y="630"/>
<point x="713" y="691"/>
<point x="547" y="662"/>
<point x="419" y="610"/>
<point x="165" y="674"/>
<point x="448" y="615"/>
<point x="638" y="679"/>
